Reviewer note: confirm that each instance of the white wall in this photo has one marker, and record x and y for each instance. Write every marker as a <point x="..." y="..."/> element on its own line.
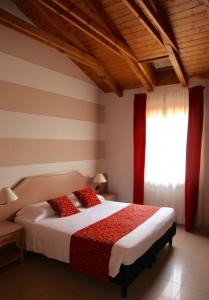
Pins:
<point x="119" y="143"/>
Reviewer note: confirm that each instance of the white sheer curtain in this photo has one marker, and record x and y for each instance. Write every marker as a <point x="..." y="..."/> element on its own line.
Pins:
<point x="166" y="135"/>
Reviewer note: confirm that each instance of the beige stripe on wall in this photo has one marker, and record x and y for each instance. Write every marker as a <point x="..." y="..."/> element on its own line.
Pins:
<point x="12" y="174"/>
<point x="20" y="71"/>
<point x="19" y="45"/>
<point x="51" y="113"/>
<point x="36" y="151"/>
<point x="22" y="125"/>
<point x="24" y="99"/>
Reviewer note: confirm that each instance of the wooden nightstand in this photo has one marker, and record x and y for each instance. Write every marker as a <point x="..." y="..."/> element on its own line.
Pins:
<point x="109" y="196"/>
<point x="11" y="236"/>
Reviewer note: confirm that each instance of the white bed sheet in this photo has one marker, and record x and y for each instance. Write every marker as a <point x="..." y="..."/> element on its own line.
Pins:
<point x="51" y="236"/>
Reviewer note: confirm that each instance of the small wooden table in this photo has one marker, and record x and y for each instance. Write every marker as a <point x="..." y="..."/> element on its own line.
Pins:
<point x="11" y="243"/>
<point x="109" y="196"/>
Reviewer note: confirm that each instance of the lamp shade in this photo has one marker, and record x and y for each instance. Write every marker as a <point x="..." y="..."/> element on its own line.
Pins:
<point x="99" y="178"/>
<point x="10" y="195"/>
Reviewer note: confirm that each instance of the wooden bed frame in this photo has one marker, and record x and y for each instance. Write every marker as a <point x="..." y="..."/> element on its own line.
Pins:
<point x="44" y="187"/>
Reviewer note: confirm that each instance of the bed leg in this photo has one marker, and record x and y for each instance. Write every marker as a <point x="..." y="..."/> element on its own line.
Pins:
<point x="170" y="242"/>
<point x="124" y="290"/>
<point x="152" y="259"/>
<point x="149" y="265"/>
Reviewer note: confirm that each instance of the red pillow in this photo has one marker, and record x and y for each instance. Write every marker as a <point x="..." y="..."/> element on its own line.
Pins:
<point x="87" y="197"/>
<point x="63" y="206"/>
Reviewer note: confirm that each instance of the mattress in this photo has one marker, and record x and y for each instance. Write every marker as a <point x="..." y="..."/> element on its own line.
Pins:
<point x="51" y="236"/>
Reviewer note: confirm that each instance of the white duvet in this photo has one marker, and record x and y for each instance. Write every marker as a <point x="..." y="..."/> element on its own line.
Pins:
<point x="51" y="236"/>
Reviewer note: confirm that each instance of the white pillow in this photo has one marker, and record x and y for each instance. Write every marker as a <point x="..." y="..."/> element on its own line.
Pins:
<point x="77" y="203"/>
<point x="36" y="212"/>
<point x="101" y="198"/>
<point x="74" y="200"/>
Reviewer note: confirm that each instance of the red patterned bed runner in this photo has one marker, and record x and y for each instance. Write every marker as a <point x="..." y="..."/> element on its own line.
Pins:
<point x="90" y="247"/>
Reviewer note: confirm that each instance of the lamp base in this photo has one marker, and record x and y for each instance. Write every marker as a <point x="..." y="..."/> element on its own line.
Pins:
<point x="97" y="189"/>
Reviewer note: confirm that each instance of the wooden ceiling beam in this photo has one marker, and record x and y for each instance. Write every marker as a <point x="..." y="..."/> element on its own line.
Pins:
<point x="153" y="16"/>
<point x="173" y="54"/>
<point x="153" y="58"/>
<point x="206" y="4"/>
<point x="74" y="53"/>
<point x="138" y="68"/>
<point x="57" y="24"/>
<point x="79" y="19"/>
<point x="169" y="42"/>
<point x="177" y="65"/>
<point x="98" y="9"/>
<point x="73" y="21"/>
<point x="135" y="9"/>
<point x="140" y="72"/>
<point x="69" y="36"/>
<point x="19" y="25"/>
<point x="75" y="16"/>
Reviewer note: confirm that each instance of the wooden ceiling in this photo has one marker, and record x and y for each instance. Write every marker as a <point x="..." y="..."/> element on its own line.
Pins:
<point x="116" y="41"/>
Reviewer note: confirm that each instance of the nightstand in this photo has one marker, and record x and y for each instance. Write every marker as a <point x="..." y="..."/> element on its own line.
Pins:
<point x="11" y="243"/>
<point x="109" y="196"/>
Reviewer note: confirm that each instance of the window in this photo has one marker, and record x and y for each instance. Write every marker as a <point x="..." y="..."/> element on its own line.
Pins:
<point x="166" y="135"/>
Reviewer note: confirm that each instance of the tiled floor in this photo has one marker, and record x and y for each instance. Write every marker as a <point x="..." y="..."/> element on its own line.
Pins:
<point x="180" y="273"/>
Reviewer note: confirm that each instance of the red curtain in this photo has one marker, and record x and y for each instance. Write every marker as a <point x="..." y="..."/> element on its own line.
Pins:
<point x="139" y="147"/>
<point x="194" y="139"/>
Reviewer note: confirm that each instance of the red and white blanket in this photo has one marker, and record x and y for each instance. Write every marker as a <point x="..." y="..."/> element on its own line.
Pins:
<point x="90" y="247"/>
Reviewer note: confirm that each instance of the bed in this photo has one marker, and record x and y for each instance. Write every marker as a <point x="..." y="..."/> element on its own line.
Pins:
<point x="51" y="235"/>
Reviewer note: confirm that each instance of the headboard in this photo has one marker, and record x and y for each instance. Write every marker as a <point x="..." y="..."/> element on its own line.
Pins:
<point x="41" y="188"/>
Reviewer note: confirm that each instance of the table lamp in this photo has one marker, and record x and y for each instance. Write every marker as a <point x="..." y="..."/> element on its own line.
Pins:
<point x="99" y="179"/>
<point x="10" y="196"/>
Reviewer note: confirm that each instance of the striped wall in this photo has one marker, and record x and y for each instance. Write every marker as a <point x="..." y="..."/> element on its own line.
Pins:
<point x="51" y="115"/>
